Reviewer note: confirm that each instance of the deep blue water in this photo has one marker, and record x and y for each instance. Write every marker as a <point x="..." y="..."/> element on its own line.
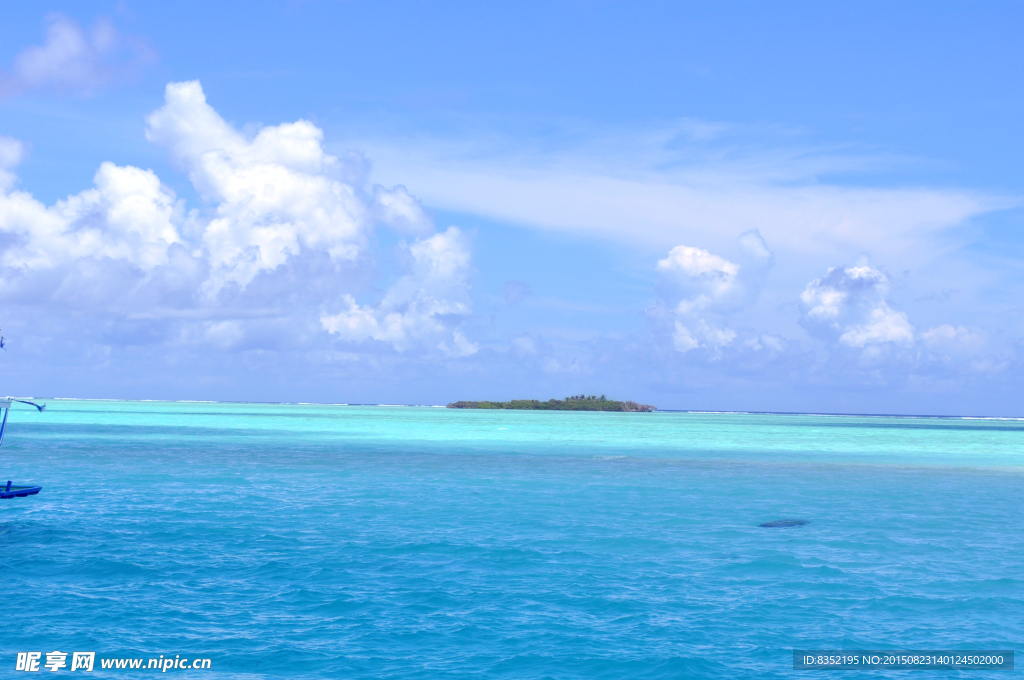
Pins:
<point x="392" y="542"/>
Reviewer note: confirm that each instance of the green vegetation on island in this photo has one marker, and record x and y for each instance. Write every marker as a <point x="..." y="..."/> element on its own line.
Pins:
<point x="578" y="403"/>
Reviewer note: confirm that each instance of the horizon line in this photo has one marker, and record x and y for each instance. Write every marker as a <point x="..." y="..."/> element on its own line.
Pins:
<point x="657" y="410"/>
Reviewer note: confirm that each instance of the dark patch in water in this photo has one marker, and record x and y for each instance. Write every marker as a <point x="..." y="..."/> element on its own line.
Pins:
<point x="784" y="523"/>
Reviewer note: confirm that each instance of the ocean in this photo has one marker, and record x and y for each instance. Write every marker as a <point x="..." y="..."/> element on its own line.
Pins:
<point x="316" y="541"/>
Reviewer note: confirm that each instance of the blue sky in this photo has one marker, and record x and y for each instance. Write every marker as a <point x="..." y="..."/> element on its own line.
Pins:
<point x="755" y="206"/>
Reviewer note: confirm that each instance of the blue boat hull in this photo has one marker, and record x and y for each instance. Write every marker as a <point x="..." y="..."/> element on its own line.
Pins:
<point x="19" y="491"/>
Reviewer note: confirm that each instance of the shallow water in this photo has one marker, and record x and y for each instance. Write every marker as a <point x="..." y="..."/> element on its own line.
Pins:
<point x="394" y="542"/>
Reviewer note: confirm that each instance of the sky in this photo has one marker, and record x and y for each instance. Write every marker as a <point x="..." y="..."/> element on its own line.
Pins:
<point x="789" y="206"/>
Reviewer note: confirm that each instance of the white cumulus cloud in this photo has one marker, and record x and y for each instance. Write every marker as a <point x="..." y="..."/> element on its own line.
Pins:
<point x="706" y="278"/>
<point x="274" y="194"/>
<point x="283" y="232"/>
<point x="850" y="305"/>
<point x="128" y="215"/>
<point x="698" y="290"/>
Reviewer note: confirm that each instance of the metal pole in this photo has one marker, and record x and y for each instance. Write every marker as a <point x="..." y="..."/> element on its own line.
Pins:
<point x="3" y="425"/>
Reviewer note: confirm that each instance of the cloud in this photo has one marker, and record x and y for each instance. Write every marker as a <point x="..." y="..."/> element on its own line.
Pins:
<point x="274" y="195"/>
<point x="524" y="347"/>
<point x="653" y="191"/>
<point x="280" y="236"/>
<point x="704" y="282"/>
<point x="701" y="334"/>
<point x="683" y="193"/>
<point x="12" y="151"/>
<point x="698" y="290"/>
<point x="425" y="303"/>
<point x="959" y="347"/>
<point x="706" y="303"/>
<point x="704" y="278"/>
<point x="74" y="61"/>
<point x="849" y="305"/>
<point x="128" y="216"/>
<point x="947" y="340"/>
<point x="274" y="268"/>
<point x="400" y="211"/>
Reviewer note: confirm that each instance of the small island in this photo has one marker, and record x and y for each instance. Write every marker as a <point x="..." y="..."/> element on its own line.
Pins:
<point x="578" y="403"/>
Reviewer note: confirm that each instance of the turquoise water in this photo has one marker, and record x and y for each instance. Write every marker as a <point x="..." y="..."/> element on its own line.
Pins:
<point x="394" y="542"/>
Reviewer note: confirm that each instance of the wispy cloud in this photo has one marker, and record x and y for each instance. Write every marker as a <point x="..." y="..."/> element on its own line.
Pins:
<point x="420" y="306"/>
<point x="697" y="184"/>
<point x="76" y="61"/>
